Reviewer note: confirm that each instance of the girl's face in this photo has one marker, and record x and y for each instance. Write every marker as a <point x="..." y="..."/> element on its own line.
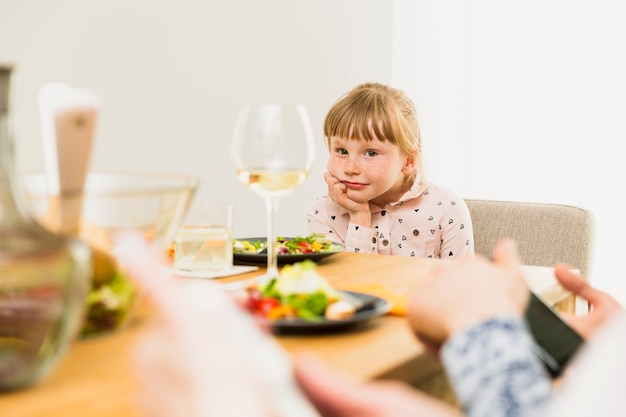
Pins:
<point x="371" y="170"/>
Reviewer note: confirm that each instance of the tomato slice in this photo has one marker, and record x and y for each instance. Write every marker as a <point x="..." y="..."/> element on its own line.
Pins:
<point x="266" y="305"/>
<point x="304" y="247"/>
<point x="253" y="299"/>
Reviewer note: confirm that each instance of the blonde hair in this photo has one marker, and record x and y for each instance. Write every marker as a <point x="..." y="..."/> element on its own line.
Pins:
<point x="377" y="111"/>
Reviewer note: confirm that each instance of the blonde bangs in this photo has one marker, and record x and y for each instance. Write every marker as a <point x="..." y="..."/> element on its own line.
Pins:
<point x="374" y="111"/>
<point x="352" y="117"/>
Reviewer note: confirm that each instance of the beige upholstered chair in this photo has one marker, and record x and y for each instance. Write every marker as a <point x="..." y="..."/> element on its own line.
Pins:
<point x="545" y="233"/>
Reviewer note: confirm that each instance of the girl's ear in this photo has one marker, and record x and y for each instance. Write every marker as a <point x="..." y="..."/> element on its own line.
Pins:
<point x="409" y="163"/>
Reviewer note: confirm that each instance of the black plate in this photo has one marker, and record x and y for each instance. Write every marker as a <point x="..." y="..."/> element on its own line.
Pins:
<point x="376" y="307"/>
<point x="260" y="259"/>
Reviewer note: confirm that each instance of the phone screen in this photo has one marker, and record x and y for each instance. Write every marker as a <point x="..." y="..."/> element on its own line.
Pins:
<point x="556" y="341"/>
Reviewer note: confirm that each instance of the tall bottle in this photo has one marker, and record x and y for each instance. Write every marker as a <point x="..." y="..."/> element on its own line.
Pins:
<point x="44" y="277"/>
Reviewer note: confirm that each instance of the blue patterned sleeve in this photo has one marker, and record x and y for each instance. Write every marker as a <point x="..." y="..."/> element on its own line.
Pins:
<point x="494" y="371"/>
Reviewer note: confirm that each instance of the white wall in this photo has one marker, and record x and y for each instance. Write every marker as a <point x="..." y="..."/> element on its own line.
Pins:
<point x="173" y="74"/>
<point x="517" y="100"/>
<point x="524" y="101"/>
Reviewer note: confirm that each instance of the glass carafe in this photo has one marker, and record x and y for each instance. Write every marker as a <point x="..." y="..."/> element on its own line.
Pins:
<point x="44" y="278"/>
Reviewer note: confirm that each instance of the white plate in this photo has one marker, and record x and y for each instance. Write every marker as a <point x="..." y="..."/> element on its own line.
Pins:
<point x="235" y="270"/>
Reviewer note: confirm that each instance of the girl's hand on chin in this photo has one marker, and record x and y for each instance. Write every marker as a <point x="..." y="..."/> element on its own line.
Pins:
<point x="338" y="192"/>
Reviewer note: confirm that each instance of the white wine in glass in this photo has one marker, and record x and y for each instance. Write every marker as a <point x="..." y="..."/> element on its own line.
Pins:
<point x="273" y="151"/>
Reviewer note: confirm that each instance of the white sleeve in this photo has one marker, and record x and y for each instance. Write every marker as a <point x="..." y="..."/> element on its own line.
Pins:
<point x="595" y="382"/>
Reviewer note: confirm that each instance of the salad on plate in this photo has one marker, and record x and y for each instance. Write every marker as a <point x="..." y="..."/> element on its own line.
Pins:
<point x="299" y="292"/>
<point x="314" y="243"/>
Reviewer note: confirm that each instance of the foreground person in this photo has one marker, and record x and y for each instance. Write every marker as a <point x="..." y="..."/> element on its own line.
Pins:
<point x="200" y="360"/>
<point x="486" y="349"/>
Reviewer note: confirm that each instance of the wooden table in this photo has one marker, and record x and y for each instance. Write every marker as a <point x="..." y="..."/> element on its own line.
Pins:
<point x="95" y="379"/>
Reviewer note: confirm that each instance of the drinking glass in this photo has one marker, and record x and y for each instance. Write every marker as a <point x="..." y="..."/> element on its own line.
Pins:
<point x="273" y="151"/>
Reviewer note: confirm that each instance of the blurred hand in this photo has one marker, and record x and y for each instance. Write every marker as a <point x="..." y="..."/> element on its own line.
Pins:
<point x="603" y="305"/>
<point x="336" y="395"/>
<point x="463" y="293"/>
<point x="205" y="356"/>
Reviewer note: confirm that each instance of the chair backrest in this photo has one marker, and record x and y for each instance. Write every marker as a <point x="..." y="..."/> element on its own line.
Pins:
<point x="545" y="233"/>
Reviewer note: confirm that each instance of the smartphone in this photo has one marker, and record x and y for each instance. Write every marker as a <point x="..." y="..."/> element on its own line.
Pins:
<point x="556" y="342"/>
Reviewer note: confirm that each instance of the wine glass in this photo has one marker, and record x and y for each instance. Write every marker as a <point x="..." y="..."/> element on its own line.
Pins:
<point x="273" y="151"/>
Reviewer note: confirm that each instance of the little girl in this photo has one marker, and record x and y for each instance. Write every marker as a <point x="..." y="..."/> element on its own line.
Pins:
<point x="378" y="200"/>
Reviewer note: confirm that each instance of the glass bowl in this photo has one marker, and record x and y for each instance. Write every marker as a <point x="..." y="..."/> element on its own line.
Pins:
<point x="152" y="203"/>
